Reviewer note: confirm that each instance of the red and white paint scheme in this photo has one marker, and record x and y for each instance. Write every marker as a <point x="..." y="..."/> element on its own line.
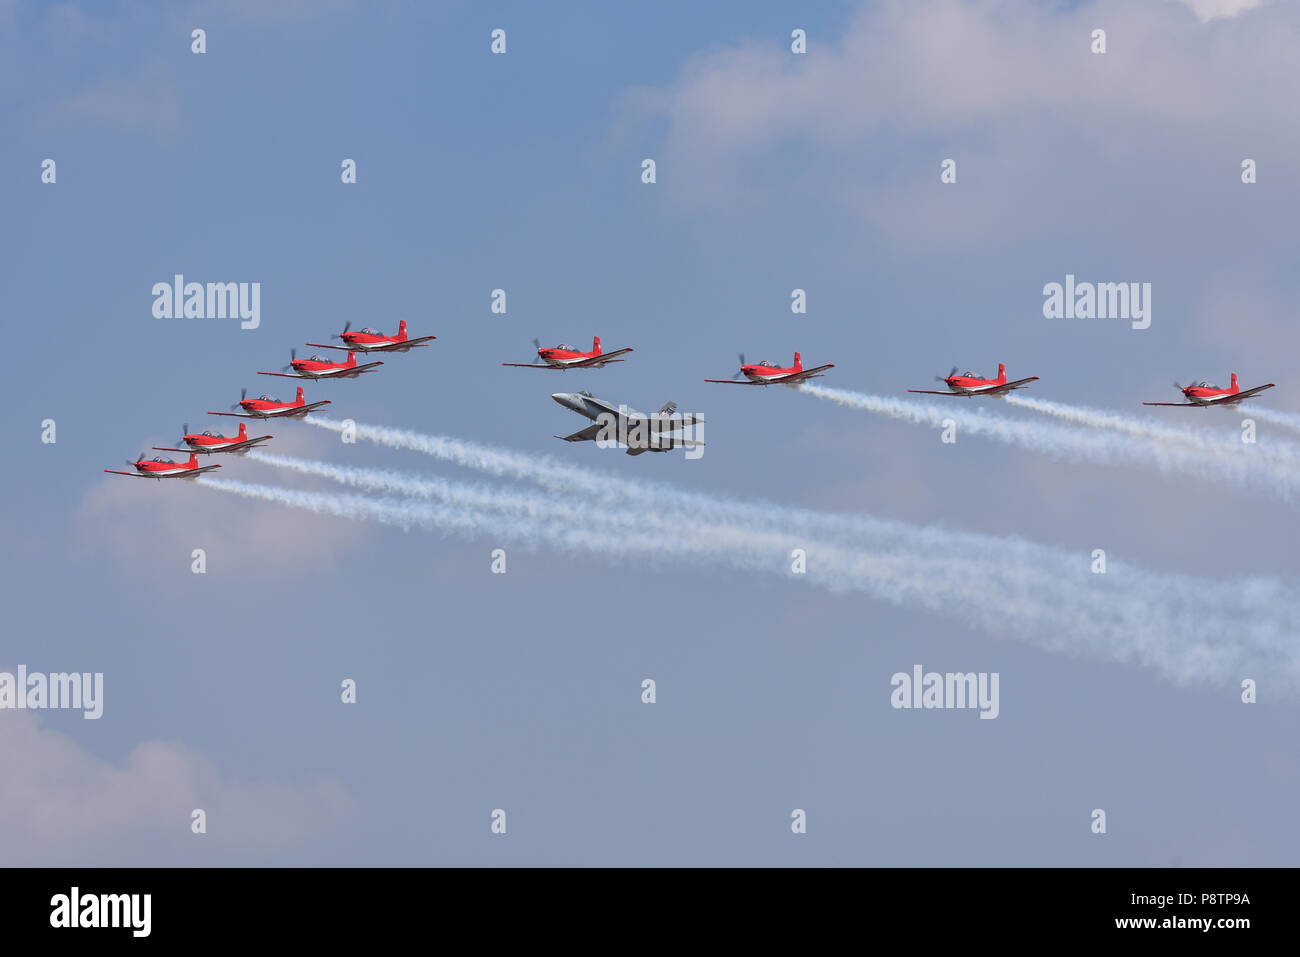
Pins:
<point x="161" y="468"/>
<point x="769" y="373"/>
<point x="1204" y="393"/>
<point x="371" y="340"/>
<point x="570" y="357"/>
<point x="969" y="383"/>
<point x="206" y="443"/>
<point x="318" y="367"/>
<point x="269" y="407"/>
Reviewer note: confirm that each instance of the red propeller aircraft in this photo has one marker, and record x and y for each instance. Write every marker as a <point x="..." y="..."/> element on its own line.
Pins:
<point x="320" y="368"/>
<point x="570" y="357"/>
<point x="1203" y="393"/>
<point x="161" y="468"/>
<point x="267" y="407"/>
<point x="206" y="443"/>
<point x="968" y="383"/>
<point x="769" y="373"/>
<point x="369" y="340"/>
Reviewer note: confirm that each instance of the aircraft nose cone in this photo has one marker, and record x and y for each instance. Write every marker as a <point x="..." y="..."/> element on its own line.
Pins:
<point x="565" y="399"/>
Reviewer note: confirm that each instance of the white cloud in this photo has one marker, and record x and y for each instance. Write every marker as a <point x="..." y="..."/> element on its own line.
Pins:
<point x="145" y="101"/>
<point x="1010" y="90"/>
<point x="1208" y="10"/>
<point x="63" y="806"/>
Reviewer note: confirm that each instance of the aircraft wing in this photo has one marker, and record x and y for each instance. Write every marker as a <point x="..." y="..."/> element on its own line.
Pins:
<point x="674" y="420"/>
<point x="939" y="392"/>
<point x="1019" y="383"/>
<point x="237" y="447"/>
<point x="193" y="473"/>
<point x="309" y="407"/>
<point x="738" y="382"/>
<point x="1172" y="403"/>
<point x="1243" y="395"/>
<point x="245" y="446"/>
<point x="321" y="345"/>
<point x="398" y="346"/>
<point x="600" y="359"/>
<point x="588" y="434"/>
<point x="530" y="365"/>
<point x="127" y="474"/>
<point x="806" y="374"/>
<point x="286" y="375"/>
<point x="238" y="415"/>
<point x="367" y="367"/>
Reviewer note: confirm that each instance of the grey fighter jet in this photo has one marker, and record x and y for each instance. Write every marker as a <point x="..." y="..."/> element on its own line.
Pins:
<point x="638" y="431"/>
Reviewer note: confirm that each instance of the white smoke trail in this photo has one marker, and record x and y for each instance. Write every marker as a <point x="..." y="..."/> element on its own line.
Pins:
<point x="1288" y="419"/>
<point x="1189" y="630"/>
<point x="1116" y="421"/>
<point x="1112" y="440"/>
<point x="1278" y="455"/>
<point x="543" y="470"/>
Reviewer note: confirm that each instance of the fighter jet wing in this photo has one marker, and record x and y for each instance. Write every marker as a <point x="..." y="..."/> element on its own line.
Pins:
<point x="588" y="434"/>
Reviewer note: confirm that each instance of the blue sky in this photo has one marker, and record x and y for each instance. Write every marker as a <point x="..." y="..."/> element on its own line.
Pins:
<point x="522" y="691"/>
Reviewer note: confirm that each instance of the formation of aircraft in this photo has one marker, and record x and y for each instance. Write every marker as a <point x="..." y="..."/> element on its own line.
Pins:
<point x="1203" y="393"/>
<point x="769" y="373"/>
<point x="624" y="421"/>
<point x="570" y="357"/>
<point x="371" y="340"/>
<point x="271" y="407"/>
<point x="970" y="383"/>
<point x="601" y="412"/>
<point x="161" y="468"/>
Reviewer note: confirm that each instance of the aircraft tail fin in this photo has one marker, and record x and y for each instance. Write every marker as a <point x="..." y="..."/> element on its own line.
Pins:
<point x="243" y="430"/>
<point x="1002" y="372"/>
<point x="299" y="397"/>
<point x="669" y="408"/>
<point x="401" y="329"/>
<point x="798" y="362"/>
<point x="595" y="344"/>
<point x="1234" y="382"/>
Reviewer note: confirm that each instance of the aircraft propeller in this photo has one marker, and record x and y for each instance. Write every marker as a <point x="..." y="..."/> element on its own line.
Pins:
<point x="346" y="326"/>
<point x="945" y="378"/>
<point x="243" y="394"/>
<point x="293" y="354"/>
<point x="741" y="371"/>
